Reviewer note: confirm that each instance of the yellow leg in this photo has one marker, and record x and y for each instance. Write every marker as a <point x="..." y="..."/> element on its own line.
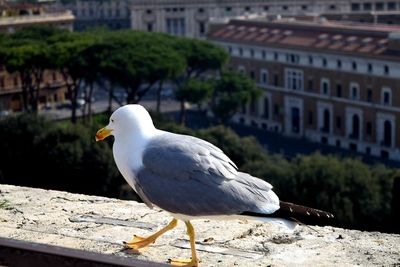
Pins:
<point x="138" y="242"/>
<point x="194" y="261"/>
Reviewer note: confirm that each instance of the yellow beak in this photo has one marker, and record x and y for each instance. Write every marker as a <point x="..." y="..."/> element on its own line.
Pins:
<point x="102" y="134"/>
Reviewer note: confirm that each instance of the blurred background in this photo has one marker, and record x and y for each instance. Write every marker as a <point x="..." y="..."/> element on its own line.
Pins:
<point x="303" y="94"/>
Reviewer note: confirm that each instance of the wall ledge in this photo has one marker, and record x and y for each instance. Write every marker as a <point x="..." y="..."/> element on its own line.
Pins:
<point x="100" y="225"/>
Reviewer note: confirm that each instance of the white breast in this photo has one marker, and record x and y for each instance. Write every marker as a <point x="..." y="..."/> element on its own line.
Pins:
<point x="128" y="157"/>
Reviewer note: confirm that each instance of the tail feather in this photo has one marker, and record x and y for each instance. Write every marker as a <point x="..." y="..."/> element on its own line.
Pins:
<point x="304" y="214"/>
<point x="298" y="213"/>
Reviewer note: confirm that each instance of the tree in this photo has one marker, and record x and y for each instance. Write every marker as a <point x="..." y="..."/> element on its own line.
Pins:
<point x="67" y="53"/>
<point x="232" y="91"/>
<point x="26" y="53"/>
<point x="138" y="60"/>
<point x="200" y="56"/>
<point x="194" y="92"/>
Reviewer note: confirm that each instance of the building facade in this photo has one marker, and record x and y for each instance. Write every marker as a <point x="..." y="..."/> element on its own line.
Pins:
<point x="14" y="16"/>
<point x="114" y="14"/>
<point x="192" y="18"/>
<point x="337" y="84"/>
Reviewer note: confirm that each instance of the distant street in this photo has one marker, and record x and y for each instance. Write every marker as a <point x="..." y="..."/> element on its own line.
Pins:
<point x="100" y="104"/>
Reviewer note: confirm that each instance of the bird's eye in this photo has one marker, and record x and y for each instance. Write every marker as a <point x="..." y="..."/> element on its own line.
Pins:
<point x="112" y="120"/>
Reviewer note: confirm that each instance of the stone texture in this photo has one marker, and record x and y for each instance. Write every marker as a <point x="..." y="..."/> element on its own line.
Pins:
<point x="102" y="224"/>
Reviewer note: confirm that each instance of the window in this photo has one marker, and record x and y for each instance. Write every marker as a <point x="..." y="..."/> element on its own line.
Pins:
<point x="354" y="91"/>
<point x="310" y="60"/>
<point x="369" y="128"/>
<point x="264" y="77"/>
<point x="332" y="7"/>
<point x="339" y="64"/>
<point x="252" y="75"/>
<point x="295" y="59"/>
<point x="294" y="79"/>
<point x="379" y="6"/>
<point x="149" y="27"/>
<point x="386" y="70"/>
<point x="387" y="134"/>
<point x="304" y="7"/>
<point x="391" y="5"/>
<point x="202" y="28"/>
<point x="228" y="9"/>
<point x="200" y="10"/>
<point x="176" y="26"/>
<point x="247" y="9"/>
<point x="266" y="108"/>
<point x="266" y="8"/>
<point x="240" y="51"/>
<point x="310" y="118"/>
<point x="324" y="62"/>
<point x="276" y="79"/>
<point x="251" y="52"/>
<point x="230" y="50"/>
<point x="2" y="83"/>
<point x="263" y="54"/>
<point x="355" y="7"/>
<point x="369" y="95"/>
<point x="285" y="7"/>
<point x="367" y="6"/>
<point x="324" y="86"/>
<point x="276" y="109"/>
<point x="338" y="90"/>
<point x="253" y="106"/>
<point x="386" y="96"/>
<point x="370" y="69"/>
<point x="310" y="86"/>
<point x="354" y="66"/>
<point x="338" y="122"/>
<point x="149" y="11"/>
<point x="275" y="56"/>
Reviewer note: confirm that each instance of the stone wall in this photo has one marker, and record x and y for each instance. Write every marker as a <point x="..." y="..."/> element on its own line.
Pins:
<point x="98" y="224"/>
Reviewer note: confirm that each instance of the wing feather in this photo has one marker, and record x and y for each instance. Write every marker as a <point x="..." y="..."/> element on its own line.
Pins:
<point x="187" y="175"/>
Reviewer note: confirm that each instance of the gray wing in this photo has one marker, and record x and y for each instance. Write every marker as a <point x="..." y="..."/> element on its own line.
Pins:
<point x="187" y="175"/>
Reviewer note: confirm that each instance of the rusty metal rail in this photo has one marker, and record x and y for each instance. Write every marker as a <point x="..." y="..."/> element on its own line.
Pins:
<point x="20" y="253"/>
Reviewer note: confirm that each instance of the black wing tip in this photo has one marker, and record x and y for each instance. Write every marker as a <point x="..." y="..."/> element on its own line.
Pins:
<point x="298" y="213"/>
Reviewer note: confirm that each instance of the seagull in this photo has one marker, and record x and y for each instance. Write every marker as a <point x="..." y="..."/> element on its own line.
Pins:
<point x="191" y="179"/>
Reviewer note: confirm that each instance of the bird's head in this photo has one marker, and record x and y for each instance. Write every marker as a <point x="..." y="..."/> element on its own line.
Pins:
<point x="127" y="121"/>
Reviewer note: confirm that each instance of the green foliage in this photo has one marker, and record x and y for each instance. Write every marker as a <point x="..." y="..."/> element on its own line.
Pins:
<point x="57" y="156"/>
<point x="194" y="91"/>
<point x="200" y="56"/>
<point x="232" y="91"/>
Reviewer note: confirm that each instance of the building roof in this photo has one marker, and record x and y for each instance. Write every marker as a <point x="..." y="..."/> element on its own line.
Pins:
<point x="329" y="36"/>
